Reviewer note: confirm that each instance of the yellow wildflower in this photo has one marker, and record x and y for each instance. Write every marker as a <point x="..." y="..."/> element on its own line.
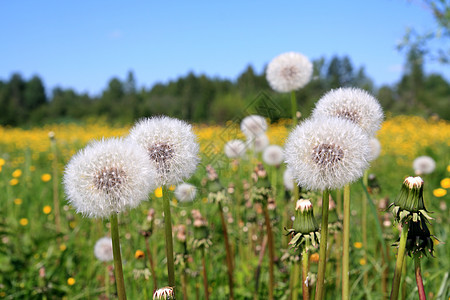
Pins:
<point x="439" y="192"/>
<point x="62" y="247"/>
<point x="32" y="168"/>
<point x="172" y="187"/>
<point x="358" y="245"/>
<point x="362" y="262"/>
<point x="17" y="201"/>
<point x="47" y="209"/>
<point x="71" y="281"/>
<point x="46" y="177"/>
<point x="17" y="173"/>
<point x="159" y="192"/>
<point x="314" y="257"/>
<point x="445" y="183"/>
<point x="14" y="181"/>
<point x="139" y="254"/>
<point x="23" y="221"/>
<point x="2" y="162"/>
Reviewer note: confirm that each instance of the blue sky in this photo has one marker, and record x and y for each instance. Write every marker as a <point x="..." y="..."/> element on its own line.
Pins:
<point x="82" y="44"/>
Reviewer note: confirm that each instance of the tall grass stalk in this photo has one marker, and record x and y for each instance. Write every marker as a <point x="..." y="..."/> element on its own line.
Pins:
<point x="320" y="286"/>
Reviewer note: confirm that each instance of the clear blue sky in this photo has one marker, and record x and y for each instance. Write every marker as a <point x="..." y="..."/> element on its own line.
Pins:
<point x="82" y="44"/>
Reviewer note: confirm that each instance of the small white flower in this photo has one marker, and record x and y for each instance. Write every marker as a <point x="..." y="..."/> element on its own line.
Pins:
<point x="108" y="176"/>
<point x="185" y="192"/>
<point x="424" y="165"/>
<point x="258" y="143"/>
<point x="288" y="180"/>
<point x="273" y="155"/>
<point x="235" y="148"/>
<point x="352" y="104"/>
<point x="375" y="148"/>
<point x="171" y="146"/>
<point x="289" y="72"/>
<point x="253" y="126"/>
<point x="103" y="249"/>
<point x="327" y="153"/>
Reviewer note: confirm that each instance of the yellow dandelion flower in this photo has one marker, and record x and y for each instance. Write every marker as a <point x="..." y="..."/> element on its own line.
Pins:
<point x="159" y="192"/>
<point x="358" y="245"/>
<point x="172" y="187"/>
<point x="439" y="192"/>
<point x="72" y="224"/>
<point x="2" y="294"/>
<point x="362" y="262"/>
<point x="17" y="201"/>
<point x="17" y="173"/>
<point x="0" y="169"/>
<point x="32" y="168"/>
<point x="445" y="183"/>
<point x="448" y="168"/>
<point x="62" y="247"/>
<point x="23" y="221"/>
<point x="47" y="209"/>
<point x="71" y="281"/>
<point x="46" y="177"/>
<point x="314" y="257"/>
<point x="14" y="181"/>
<point x="2" y="162"/>
<point x="205" y="200"/>
<point x="174" y="201"/>
<point x="139" y="254"/>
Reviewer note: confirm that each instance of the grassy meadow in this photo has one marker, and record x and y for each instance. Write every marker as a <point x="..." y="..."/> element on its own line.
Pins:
<point x="46" y="254"/>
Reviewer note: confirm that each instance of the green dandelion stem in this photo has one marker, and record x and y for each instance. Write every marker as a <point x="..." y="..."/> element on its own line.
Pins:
<point x="295" y="276"/>
<point x="364" y="225"/>
<point x="294" y="108"/>
<point x="55" y="185"/>
<point x="419" y="280"/>
<point x="169" y="238"/>
<point x="117" y="258"/>
<point x="205" y="276"/>
<point x="271" y="251"/>
<point x="152" y="264"/>
<point x="346" y="244"/>
<point x="305" y="269"/>
<point x="399" y="263"/>
<point x="106" y="280"/>
<point x="320" y="287"/>
<point x="403" y="281"/>
<point x="227" y="251"/>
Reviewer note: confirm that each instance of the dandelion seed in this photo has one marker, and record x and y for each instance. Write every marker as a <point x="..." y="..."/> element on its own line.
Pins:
<point x="171" y="146"/>
<point x="289" y="72"/>
<point x="327" y="153"/>
<point x="424" y="165"/>
<point x="103" y="250"/>
<point x="352" y="104"/>
<point x="108" y="176"/>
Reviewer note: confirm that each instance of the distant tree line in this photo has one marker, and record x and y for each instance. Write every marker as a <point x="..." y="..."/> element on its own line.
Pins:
<point x="199" y="98"/>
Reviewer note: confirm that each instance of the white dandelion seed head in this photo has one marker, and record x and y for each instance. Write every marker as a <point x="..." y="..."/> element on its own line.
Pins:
<point x="103" y="249"/>
<point x="258" y="143"/>
<point x="327" y="153"/>
<point x="171" y="146"/>
<point x="253" y="125"/>
<point x="234" y="149"/>
<point x="303" y="204"/>
<point x="289" y="72"/>
<point x="108" y="176"/>
<point x="288" y="179"/>
<point x="273" y="155"/>
<point x="424" y="165"/>
<point x="413" y="182"/>
<point x="375" y="148"/>
<point x="352" y="104"/>
<point x="185" y="192"/>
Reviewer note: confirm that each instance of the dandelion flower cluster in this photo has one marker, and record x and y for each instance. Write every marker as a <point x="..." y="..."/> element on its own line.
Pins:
<point x="327" y="153"/>
<point x="185" y="192"/>
<point x="289" y="72"/>
<point x="352" y="104"/>
<point x="273" y="155"/>
<point x="234" y="149"/>
<point x="424" y="165"/>
<point x="108" y="176"/>
<point x="103" y="249"/>
<point x="171" y="146"/>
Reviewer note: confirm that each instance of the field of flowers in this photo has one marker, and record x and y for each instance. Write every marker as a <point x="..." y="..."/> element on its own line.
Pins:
<point x="47" y="249"/>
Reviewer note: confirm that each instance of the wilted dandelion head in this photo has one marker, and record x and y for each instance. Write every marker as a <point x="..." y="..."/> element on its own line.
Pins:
<point x="234" y="148"/>
<point x="375" y="148"/>
<point x="327" y="153"/>
<point x="258" y="143"/>
<point x="165" y="293"/>
<point x="273" y="155"/>
<point x="424" y="165"/>
<point x="352" y="104"/>
<point x="185" y="192"/>
<point x="289" y="72"/>
<point x="103" y="249"/>
<point x="108" y="176"/>
<point x="171" y="147"/>
<point x="253" y="126"/>
<point x="288" y="180"/>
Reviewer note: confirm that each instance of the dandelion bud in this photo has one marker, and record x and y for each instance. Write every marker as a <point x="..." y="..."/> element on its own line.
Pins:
<point x="305" y="229"/>
<point x="165" y="293"/>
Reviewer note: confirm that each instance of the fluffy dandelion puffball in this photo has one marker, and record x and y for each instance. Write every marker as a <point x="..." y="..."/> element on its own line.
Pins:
<point x="424" y="165"/>
<point x="171" y="147"/>
<point x="253" y="125"/>
<point x="288" y="179"/>
<point x="108" y="176"/>
<point x="273" y="155"/>
<point x="185" y="192"/>
<point x="375" y="148"/>
<point x="234" y="149"/>
<point x="258" y="143"/>
<point x="327" y="153"/>
<point x="352" y="104"/>
<point x="289" y="72"/>
<point x="103" y="249"/>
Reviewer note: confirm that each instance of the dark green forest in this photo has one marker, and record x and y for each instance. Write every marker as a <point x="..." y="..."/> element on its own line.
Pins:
<point x="199" y="98"/>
